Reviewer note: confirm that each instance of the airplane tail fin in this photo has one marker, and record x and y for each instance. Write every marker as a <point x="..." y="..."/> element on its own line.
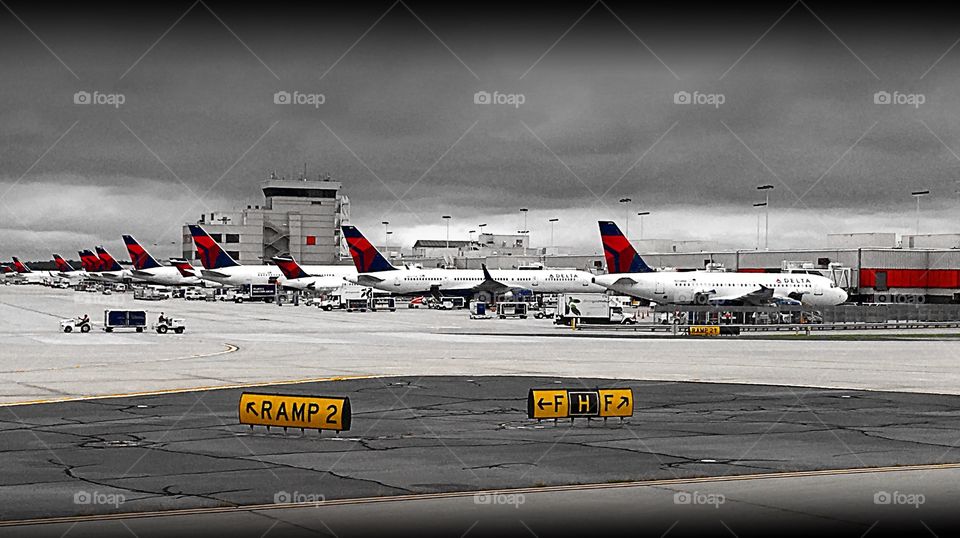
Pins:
<point x="365" y="256"/>
<point x="186" y="270"/>
<point x="108" y="263"/>
<point x="209" y="251"/>
<point x="620" y="255"/>
<point x="20" y="266"/>
<point x="138" y="255"/>
<point x="89" y="261"/>
<point x="289" y="267"/>
<point x="62" y="265"/>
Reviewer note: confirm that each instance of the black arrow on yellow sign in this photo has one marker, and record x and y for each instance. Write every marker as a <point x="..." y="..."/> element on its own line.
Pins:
<point x="624" y="401"/>
<point x="251" y="410"/>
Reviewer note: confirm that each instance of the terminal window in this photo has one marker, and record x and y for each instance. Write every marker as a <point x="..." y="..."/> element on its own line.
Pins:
<point x="217" y="237"/>
<point x="233" y="238"/>
<point x="233" y="254"/>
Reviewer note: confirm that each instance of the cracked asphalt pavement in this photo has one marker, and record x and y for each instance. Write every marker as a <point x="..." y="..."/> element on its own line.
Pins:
<point x="441" y="434"/>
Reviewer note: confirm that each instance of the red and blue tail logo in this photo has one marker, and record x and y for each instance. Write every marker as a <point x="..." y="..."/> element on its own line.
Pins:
<point x="186" y="270"/>
<point x="365" y="256"/>
<point x="620" y="254"/>
<point x="209" y="252"/>
<point x="138" y="255"/>
<point x="20" y="266"/>
<point x="289" y="267"/>
<point x="107" y="262"/>
<point x="89" y="261"/>
<point x="62" y="265"/>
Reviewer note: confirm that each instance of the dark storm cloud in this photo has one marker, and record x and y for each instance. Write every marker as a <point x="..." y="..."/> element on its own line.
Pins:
<point x="199" y="125"/>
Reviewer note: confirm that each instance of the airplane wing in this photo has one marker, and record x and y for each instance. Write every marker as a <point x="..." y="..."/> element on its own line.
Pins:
<point x="758" y="297"/>
<point x="368" y="280"/>
<point x="489" y="283"/>
<point x="140" y="274"/>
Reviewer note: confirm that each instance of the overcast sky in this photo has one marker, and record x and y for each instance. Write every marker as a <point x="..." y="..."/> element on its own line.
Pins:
<point x="787" y="91"/>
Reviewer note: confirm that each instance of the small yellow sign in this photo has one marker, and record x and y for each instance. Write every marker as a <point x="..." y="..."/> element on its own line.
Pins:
<point x="547" y="403"/>
<point x="286" y="411"/>
<point x="616" y="402"/>
<point x="704" y="330"/>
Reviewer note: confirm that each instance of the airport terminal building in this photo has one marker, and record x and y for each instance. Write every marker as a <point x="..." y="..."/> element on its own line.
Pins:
<point x="300" y="217"/>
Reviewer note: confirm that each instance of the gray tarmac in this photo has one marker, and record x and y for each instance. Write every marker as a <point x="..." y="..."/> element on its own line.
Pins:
<point x="425" y="435"/>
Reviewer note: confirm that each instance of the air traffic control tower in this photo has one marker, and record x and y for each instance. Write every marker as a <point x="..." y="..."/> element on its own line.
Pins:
<point x="300" y="217"/>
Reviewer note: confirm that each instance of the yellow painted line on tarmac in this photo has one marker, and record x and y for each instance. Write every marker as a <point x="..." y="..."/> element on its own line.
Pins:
<point x="190" y="389"/>
<point x="461" y="494"/>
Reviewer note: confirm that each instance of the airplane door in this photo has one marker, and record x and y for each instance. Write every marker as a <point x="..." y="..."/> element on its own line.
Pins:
<point x="817" y="289"/>
<point x="659" y="288"/>
<point x="534" y="281"/>
<point x="396" y="281"/>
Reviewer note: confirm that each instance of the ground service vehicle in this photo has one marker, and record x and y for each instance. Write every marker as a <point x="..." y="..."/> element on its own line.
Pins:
<point x="256" y="292"/>
<point x="68" y="325"/>
<point x="194" y="294"/>
<point x="383" y="303"/>
<point x="124" y="319"/>
<point x="170" y="324"/>
<point x="512" y="310"/>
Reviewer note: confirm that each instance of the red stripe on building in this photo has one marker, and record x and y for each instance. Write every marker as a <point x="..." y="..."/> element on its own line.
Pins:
<point x="912" y="278"/>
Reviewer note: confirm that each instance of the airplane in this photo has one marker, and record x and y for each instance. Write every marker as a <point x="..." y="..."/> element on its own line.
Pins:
<point x="67" y="272"/>
<point x="26" y="274"/>
<point x="110" y="270"/>
<point x="220" y="268"/>
<point x="630" y="275"/>
<point x="146" y="267"/>
<point x="296" y="277"/>
<point x="375" y="271"/>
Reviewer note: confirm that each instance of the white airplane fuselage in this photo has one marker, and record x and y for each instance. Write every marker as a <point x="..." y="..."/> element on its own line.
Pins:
<point x="701" y="287"/>
<point x="463" y="281"/>
<point x="167" y="275"/>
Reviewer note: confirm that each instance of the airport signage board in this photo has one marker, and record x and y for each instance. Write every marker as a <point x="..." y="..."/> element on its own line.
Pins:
<point x="579" y="403"/>
<point x="704" y="330"/>
<point x="289" y="411"/>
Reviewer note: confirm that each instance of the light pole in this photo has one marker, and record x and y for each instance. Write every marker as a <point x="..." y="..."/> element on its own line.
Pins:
<point x="447" y="218"/>
<point x="552" y="222"/>
<point x="471" y="232"/>
<point x="761" y="204"/>
<point x="524" y="210"/>
<point x="627" y="214"/>
<point x="386" y="240"/>
<point x="642" y="214"/>
<point x="918" y="195"/>
<point x="766" y="223"/>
